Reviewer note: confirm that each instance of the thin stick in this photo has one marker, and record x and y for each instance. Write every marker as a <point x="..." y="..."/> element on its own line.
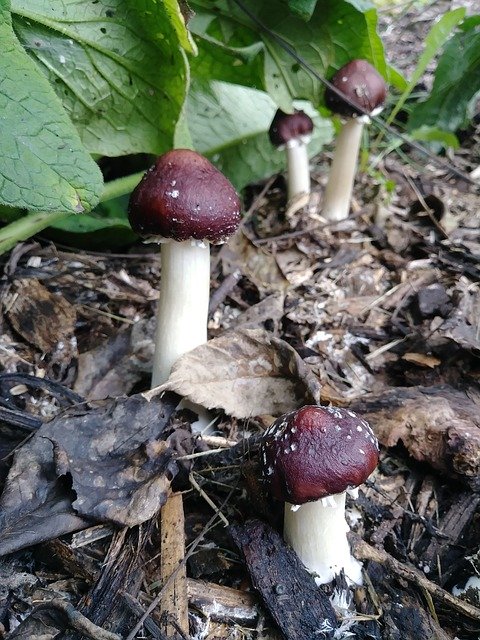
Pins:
<point x="207" y="499"/>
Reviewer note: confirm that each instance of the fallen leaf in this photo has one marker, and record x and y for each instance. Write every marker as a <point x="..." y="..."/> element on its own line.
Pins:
<point x="254" y="262"/>
<point x="246" y="373"/>
<point x="109" y="464"/>
<point x="42" y="318"/>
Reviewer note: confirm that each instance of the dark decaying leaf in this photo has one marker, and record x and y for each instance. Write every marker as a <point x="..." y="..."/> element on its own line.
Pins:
<point x="43" y="319"/>
<point x="439" y="425"/>
<point x="107" y="464"/>
<point x="300" y="608"/>
<point x="246" y="373"/>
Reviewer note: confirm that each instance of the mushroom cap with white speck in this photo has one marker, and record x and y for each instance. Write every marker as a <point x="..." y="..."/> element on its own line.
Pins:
<point x="289" y="126"/>
<point x="361" y="84"/>
<point x="184" y="197"/>
<point x="316" y="452"/>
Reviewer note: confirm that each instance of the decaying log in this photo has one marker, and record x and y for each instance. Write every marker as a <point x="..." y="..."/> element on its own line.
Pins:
<point x="439" y="425"/>
<point x="174" y="603"/>
<point x="299" y="607"/>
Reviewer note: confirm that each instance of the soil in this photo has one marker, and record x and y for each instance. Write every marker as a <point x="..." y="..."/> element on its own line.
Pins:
<point x="378" y="313"/>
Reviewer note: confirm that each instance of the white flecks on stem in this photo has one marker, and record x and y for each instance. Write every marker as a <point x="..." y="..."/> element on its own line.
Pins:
<point x="336" y="203"/>
<point x="318" y="533"/>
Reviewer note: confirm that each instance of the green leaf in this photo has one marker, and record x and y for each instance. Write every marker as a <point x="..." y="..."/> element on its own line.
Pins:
<point x="434" y="41"/>
<point x="117" y="66"/>
<point x="457" y="82"/>
<point x="433" y="134"/>
<point x="302" y="8"/>
<point x="43" y="165"/>
<point x="177" y="20"/>
<point x="337" y="31"/>
<point x="229" y="124"/>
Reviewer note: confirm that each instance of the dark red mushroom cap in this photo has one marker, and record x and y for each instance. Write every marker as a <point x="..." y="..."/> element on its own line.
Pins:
<point x="361" y="84"/>
<point x="183" y="196"/>
<point x="316" y="452"/>
<point x="289" y="126"/>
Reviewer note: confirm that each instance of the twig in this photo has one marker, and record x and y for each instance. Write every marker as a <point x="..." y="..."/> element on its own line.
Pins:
<point x="77" y="621"/>
<point x="208" y="500"/>
<point x="363" y="551"/>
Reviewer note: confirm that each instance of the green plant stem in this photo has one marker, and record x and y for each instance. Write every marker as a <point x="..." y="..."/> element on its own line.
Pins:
<point x="27" y="226"/>
<point x="121" y="186"/>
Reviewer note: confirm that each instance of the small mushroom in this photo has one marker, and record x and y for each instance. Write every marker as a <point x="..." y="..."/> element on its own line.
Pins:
<point x="310" y="458"/>
<point x="292" y="131"/>
<point x="366" y="91"/>
<point x="185" y="203"/>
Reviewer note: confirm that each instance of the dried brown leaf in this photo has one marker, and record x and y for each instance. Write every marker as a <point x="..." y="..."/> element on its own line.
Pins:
<point x="246" y="373"/>
<point x="43" y="319"/>
<point x="254" y="262"/>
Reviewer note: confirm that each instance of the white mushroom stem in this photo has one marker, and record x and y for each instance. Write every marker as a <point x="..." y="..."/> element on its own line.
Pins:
<point x="336" y="203"/>
<point x="317" y="531"/>
<point x="182" y="310"/>
<point x="298" y="168"/>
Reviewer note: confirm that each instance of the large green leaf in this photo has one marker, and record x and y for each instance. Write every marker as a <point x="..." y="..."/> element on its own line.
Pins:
<point x="338" y="30"/>
<point x="229" y="124"/>
<point x="117" y="65"/>
<point x="457" y="81"/>
<point x="43" y="165"/>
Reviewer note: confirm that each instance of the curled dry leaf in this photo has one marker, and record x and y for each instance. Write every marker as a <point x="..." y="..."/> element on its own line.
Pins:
<point x="246" y="373"/>
<point x="108" y="464"/>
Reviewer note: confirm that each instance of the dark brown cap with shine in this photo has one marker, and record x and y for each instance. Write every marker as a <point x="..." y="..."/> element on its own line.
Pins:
<point x="289" y="126"/>
<point x="183" y="196"/>
<point x="361" y="84"/>
<point x="316" y="452"/>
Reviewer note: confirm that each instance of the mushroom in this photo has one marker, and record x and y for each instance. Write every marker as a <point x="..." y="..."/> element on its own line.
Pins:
<point x="292" y="131"/>
<point x="366" y="91"/>
<point x="185" y="203"/>
<point x="310" y="458"/>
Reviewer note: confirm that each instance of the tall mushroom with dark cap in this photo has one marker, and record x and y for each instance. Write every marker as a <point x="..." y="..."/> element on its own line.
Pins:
<point x="292" y="131"/>
<point x="310" y="458"/>
<point x="185" y="203"/>
<point x="366" y="91"/>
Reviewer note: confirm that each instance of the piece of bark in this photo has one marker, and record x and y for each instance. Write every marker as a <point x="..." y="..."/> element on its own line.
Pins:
<point x="123" y="572"/>
<point x="174" y="603"/>
<point x="299" y="607"/>
<point x="222" y="603"/>
<point x="401" y="614"/>
<point x="453" y="524"/>
<point x="439" y="425"/>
